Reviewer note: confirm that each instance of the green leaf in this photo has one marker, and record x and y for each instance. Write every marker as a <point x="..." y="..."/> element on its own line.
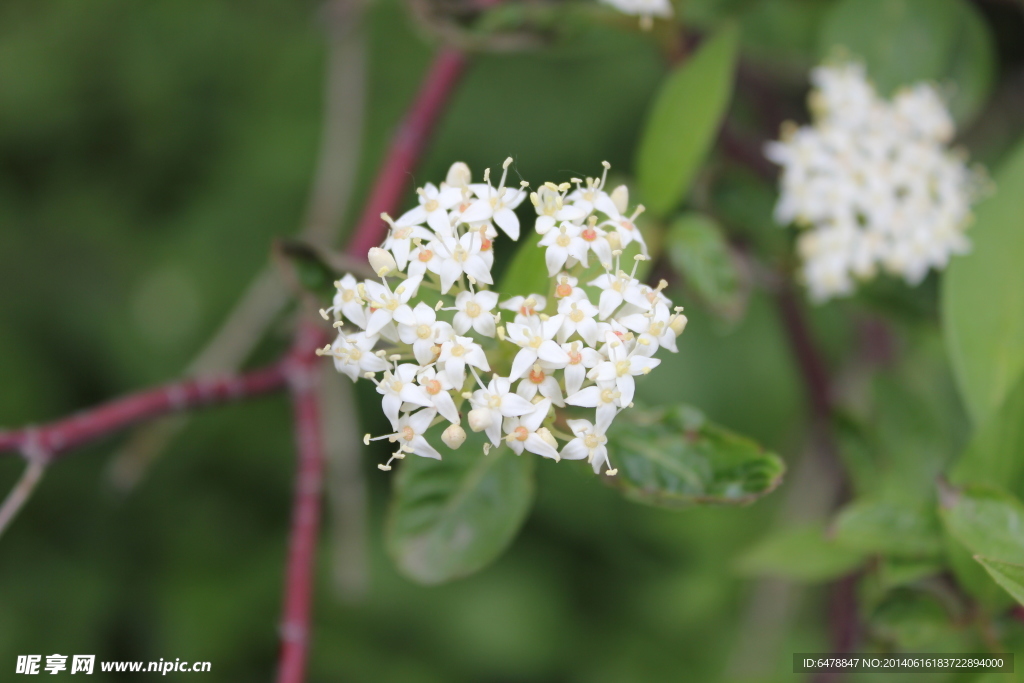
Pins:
<point x="911" y="619"/>
<point x="527" y="273"/>
<point x="674" y="458"/>
<point x="452" y="517"/>
<point x="973" y="66"/>
<point x="888" y="527"/>
<point x="986" y="522"/>
<point x="983" y="297"/>
<point x="698" y="250"/>
<point x="1009" y="576"/>
<point x="683" y="121"/>
<point x="903" y="42"/>
<point x="995" y="455"/>
<point x="900" y="571"/>
<point x="800" y="553"/>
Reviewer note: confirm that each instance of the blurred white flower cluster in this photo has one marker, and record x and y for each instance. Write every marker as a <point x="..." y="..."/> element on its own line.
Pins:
<point x="503" y="366"/>
<point x="873" y="182"/>
<point x="645" y="9"/>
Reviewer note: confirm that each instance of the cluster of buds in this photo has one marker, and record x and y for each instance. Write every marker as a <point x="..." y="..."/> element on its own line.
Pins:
<point x="516" y="369"/>
<point x="874" y="183"/>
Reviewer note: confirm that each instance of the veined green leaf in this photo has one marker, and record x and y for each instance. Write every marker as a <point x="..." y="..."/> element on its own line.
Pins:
<point x="452" y="517"/>
<point x="986" y="522"/>
<point x="1009" y="576"/>
<point x="675" y="458"/>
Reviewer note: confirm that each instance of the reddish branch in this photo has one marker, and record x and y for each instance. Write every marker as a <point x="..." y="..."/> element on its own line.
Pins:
<point x="299" y="575"/>
<point x="406" y="149"/>
<point x="55" y="438"/>
<point x="297" y="370"/>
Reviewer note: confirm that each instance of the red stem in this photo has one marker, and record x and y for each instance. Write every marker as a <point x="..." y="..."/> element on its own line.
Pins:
<point x="812" y="366"/>
<point x="55" y="438"/>
<point x="406" y="148"/>
<point x="299" y="578"/>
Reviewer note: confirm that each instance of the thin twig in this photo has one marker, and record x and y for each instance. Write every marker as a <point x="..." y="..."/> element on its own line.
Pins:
<point x="303" y="381"/>
<point x="58" y="437"/>
<point x="16" y="499"/>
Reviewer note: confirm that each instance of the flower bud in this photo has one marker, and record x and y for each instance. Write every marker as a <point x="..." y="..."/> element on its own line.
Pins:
<point x="459" y="176"/>
<point x="382" y="262"/>
<point x="678" y="324"/>
<point x="614" y="241"/>
<point x="480" y="419"/>
<point x="545" y="434"/>
<point x="454" y="436"/>
<point x="620" y="198"/>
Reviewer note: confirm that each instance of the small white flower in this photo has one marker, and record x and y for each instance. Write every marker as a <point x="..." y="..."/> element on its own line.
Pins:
<point x="494" y="404"/>
<point x="433" y="208"/>
<point x="347" y="301"/>
<point x="655" y="328"/>
<point x="614" y="207"/>
<point x="459" y="352"/>
<point x="527" y="308"/>
<point x="410" y="431"/>
<point x="496" y="204"/>
<point x="463" y="255"/>
<point x="474" y="311"/>
<point x="353" y="355"/>
<point x="400" y="238"/>
<point x="621" y="367"/>
<point x="542" y="381"/>
<point x="563" y="244"/>
<point x="425" y="257"/>
<point x="536" y="341"/>
<point x="436" y="390"/>
<point x="522" y="432"/>
<point x="604" y="396"/>
<point x="568" y="288"/>
<point x="549" y="201"/>
<point x="397" y="387"/>
<point x="578" y="317"/>
<point x="419" y="326"/>
<point x="384" y="303"/>
<point x="590" y="443"/>
<point x="580" y="359"/>
<point x="615" y="289"/>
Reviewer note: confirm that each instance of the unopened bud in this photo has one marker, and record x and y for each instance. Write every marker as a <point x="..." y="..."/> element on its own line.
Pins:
<point x="459" y="176"/>
<point x="454" y="436"/>
<point x="678" y="324"/>
<point x="620" y="198"/>
<point x="382" y="262"/>
<point x="614" y="241"/>
<point x="480" y="419"/>
<point x="545" y="434"/>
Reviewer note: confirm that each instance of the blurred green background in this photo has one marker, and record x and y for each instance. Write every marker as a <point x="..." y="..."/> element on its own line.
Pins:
<point x="151" y="152"/>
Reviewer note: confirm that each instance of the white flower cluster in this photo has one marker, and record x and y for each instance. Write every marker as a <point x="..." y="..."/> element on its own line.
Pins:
<point x="513" y="361"/>
<point x="874" y="183"/>
<point x="645" y="9"/>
